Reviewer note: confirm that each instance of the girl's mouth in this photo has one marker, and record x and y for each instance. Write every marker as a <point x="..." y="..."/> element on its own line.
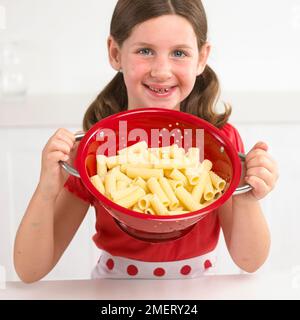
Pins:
<point x="161" y="92"/>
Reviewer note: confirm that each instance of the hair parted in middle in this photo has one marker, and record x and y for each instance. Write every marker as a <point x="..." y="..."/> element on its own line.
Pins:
<point x="127" y="15"/>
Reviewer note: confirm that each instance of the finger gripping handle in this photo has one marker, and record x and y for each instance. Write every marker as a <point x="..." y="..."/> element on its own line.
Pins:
<point x="246" y="187"/>
<point x="69" y="169"/>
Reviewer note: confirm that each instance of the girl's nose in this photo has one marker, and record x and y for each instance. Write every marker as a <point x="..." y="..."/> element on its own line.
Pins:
<point x="161" y="69"/>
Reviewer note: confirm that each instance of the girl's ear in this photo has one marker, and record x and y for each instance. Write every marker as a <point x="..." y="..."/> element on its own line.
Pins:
<point x="203" y="56"/>
<point x="114" y="53"/>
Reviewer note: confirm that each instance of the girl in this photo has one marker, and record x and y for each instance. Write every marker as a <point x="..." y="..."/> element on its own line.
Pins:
<point x="159" y="49"/>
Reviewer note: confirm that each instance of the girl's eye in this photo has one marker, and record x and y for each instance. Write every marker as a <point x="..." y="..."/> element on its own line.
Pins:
<point x="145" y="51"/>
<point x="179" y="54"/>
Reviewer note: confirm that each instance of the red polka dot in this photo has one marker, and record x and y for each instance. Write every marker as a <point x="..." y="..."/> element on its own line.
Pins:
<point x="159" y="272"/>
<point x="207" y="264"/>
<point x="110" y="264"/>
<point x="132" y="270"/>
<point x="185" y="270"/>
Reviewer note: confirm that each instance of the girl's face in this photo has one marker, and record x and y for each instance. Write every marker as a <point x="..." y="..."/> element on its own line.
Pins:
<point x="160" y="62"/>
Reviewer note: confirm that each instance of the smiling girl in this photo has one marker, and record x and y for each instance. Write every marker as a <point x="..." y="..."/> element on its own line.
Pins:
<point x="159" y="49"/>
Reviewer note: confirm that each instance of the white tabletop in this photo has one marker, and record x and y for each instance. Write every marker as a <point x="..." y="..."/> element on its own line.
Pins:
<point x="248" y="286"/>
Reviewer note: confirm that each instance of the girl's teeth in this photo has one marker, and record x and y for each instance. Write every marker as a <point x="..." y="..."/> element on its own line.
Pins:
<point x="159" y="90"/>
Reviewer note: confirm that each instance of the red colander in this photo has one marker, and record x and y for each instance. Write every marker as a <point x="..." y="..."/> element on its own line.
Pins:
<point x="216" y="146"/>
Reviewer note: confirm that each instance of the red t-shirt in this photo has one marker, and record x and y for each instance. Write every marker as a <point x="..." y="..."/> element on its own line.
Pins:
<point x="202" y="239"/>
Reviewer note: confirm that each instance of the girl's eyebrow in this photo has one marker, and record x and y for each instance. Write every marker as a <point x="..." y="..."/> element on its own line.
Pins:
<point x="145" y="44"/>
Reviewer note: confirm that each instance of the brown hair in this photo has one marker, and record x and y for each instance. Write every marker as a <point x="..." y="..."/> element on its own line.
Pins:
<point x="129" y="13"/>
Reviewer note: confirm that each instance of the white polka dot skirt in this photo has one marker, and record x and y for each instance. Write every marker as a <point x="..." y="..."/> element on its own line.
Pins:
<point x="110" y="266"/>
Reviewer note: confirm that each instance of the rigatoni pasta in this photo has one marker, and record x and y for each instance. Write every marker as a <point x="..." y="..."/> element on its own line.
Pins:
<point x="174" y="202"/>
<point x="97" y="182"/>
<point x="187" y="200"/>
<point x="158" y="181"/>
<point x="158" y="206"/>
<point x="144" y="173"/>
<point x="101" y="165"/>
<point x="156" y="189"/>
<point x="119" y="194"/>
<point x="144" y="202"/>
<point x="121" y="184"/>
<point x="132" y="198"/>
<point x="217" y="182"/>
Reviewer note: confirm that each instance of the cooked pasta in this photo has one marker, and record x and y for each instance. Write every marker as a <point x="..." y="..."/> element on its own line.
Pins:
<point x="121" y="184"/>
<point x="98" y="184"/>
<point x="101" y="165"/>
<point x="142" y="183"/>
<point x="217" y="182"/>
<point x="110" y="182"/>
<point x="158" y="206"/>
<point x="132" y="198"/>
<point x="119" y="194"/>
<point x="144" y="173"/>
<point x="187" y="200"/>
<point x="174" y="202"/>
<point x="144" y="202"/>
<point x="158" y="181"/>
<point x="135" y="148"/>
<point x="156" y="188"/>
<point x="208" y="193"/>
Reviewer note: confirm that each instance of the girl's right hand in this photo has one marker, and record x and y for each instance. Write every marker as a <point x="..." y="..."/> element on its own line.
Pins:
<point x="60" y="146"/>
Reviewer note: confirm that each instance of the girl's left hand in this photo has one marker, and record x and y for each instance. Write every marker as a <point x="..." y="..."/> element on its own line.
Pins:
<point x="261" y="170"/>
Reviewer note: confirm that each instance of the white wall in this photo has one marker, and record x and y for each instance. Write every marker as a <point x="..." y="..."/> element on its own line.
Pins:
<point x="256" y="44"/>
<point x="63" y="42"/>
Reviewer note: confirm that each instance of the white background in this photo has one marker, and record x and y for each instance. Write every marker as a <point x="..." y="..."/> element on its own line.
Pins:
<point x="62" y="46"/>
<point x="256" y="44"/>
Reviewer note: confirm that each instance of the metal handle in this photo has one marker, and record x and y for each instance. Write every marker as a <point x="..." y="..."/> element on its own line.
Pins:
<point x="72" y="171"/>
<point x="245" y="188"/>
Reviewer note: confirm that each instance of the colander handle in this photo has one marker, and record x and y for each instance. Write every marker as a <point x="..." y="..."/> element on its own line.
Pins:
<point x="245" y="188"/>
<point x="72" y="171"/>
